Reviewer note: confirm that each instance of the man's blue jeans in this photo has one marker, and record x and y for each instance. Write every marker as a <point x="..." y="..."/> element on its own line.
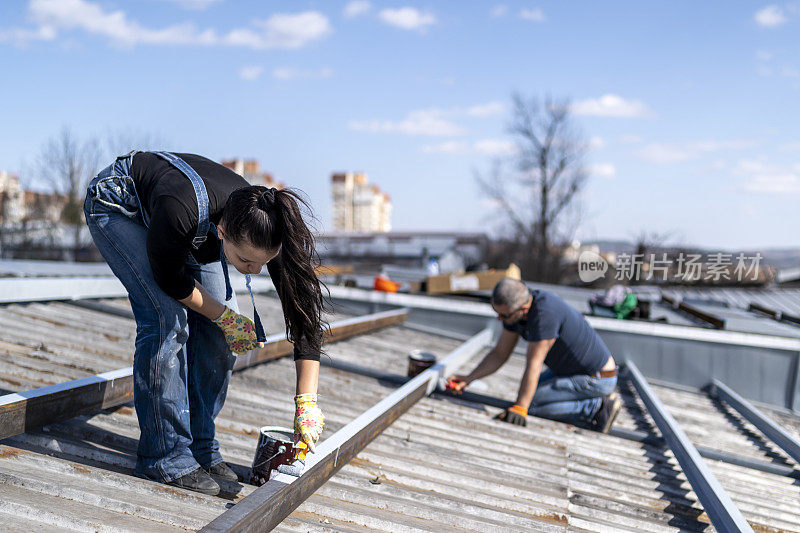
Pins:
<point x="570" y="398"/>
<point x="181" y="364"/>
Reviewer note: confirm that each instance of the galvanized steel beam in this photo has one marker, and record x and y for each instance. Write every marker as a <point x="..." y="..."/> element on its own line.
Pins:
<point x="770" y="429"/>
<point x="267" y="506"/>
<point x="24" y="411"/>
<point x="718" y="505"/>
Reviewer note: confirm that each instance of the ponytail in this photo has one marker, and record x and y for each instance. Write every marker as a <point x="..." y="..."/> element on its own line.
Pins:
<point x="268" y="218"/>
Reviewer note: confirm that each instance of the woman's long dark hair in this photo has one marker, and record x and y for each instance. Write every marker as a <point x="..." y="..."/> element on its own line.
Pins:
<point x="268" y="218"/>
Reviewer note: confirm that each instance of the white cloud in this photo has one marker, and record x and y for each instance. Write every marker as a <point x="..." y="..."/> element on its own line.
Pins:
<point x="535" y="15"/>
<point x="596" y="142"/>
<point x="21" y="37"/>
<point x="604" y="170"/>
<point x="768" y="178"/>
<point x="790" y="147"/>
<point x="630" y="138"/>
<point x="428" y="122"/>
<point x="498" y="11"/>
<point x="764" y="55"/>
<point x="492" y="147"/>
<point x="790" y="72"/>
<point x="448" y="148"/>
<point x="356" y="8"/>
<point x="251" y="73"/>
<point x="278" y="31"/>
<point x="433" y="121"/>
<point x="770" y="17"/>
<point x="407" y="18"/>
<point x="197" y="5"/>
<point x="611" y="105"/>
<point x="288" y="73"/>
<point x="486" y="110"/>
<point x="665" y="153"/>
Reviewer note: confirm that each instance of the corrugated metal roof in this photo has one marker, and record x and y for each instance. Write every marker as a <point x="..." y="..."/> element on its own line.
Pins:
<point x="443" y="466"/>
<point x="784" y="300"/>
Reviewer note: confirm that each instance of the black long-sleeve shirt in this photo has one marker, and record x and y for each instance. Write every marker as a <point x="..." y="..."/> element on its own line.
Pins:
<point x="168" y="198"/>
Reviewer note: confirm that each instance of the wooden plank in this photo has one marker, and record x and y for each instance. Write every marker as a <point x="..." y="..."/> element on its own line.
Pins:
<point x="24" y="411"/>
<point x="268" y="505"/>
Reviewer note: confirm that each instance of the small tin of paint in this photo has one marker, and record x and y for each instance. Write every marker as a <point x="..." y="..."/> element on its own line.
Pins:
<point x="418" y="361"/>
<point x="275" y="447"/>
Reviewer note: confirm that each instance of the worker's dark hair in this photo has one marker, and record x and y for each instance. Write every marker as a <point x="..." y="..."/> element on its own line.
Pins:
<point x="268" y="218"/>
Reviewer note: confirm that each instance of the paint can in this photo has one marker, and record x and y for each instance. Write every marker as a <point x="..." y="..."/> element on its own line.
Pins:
<point x="275" y="447"/>
<point x="418" y="361"/>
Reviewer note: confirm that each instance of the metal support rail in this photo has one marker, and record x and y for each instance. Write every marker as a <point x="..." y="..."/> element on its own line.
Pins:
<point x="708" y="318"/>
<point x="268" y="505"/>
<point x="19" y="290"/>
<point x="24" y="411"/>
<point x="718" y="505"/>
<point x="770" y="429"/>
<point x="774" y="314"/>
<point x="650" y="439"/>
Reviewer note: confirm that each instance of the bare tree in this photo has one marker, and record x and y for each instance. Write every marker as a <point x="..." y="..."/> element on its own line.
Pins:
<point x="538" y="203"/>
<point x="67" y="165"/>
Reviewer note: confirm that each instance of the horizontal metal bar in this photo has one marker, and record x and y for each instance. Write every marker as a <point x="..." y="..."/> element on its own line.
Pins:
<point x="652" y="329"/>
<point x="18" y="290"/>
<point x="718" y="505"/>
<point x="268" y="505"/>
<point x="650" y="439"/>
<point x="278" y="345"/>
<point x="772" y="313"/>
<point x="24" y="411"/>
<point x="94" y="305"/>
<point x="770" y="429"/>
<point x="708" y="318"/>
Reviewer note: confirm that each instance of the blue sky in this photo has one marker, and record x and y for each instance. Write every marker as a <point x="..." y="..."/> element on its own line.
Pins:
<point x="692" y="109"/>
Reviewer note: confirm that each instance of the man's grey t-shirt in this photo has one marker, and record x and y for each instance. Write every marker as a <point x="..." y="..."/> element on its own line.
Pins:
<point x="578" y="348"/>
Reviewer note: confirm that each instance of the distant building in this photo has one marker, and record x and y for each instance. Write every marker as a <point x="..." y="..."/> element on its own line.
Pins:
<point x="359" y="206"/>
<point x="249" y="170"/>
<point x="409" y="248"/>
<point x="12" y="201"/>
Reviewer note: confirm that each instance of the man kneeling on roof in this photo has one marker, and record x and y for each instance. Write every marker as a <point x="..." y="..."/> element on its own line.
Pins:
<point x="579" y="382"/>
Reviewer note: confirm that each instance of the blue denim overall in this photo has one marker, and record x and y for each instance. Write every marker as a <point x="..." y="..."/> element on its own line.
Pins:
<point x="182" y="364"/>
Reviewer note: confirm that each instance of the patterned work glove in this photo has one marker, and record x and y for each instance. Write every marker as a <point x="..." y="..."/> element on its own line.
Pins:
<point x="308" y="419"/>
<point x="240" y="333"/>
<point x="514" y="415"/>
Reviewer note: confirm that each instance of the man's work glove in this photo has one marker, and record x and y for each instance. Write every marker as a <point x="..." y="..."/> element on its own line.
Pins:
<point x="240" y="332"/>
<point x="308" y="419"/>
<point x="516" y="414"/>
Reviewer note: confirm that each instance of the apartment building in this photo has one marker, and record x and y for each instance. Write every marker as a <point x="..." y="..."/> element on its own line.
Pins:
<point x="249" y="170"/>
<point x="359" y="206"/>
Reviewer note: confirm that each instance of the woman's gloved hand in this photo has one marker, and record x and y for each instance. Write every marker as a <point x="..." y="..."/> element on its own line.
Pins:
<point x="308" y="419"/>
<point x="240" y="332"/>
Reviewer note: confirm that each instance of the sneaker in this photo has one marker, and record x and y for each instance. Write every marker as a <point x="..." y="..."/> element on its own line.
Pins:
<point x="197" y="480"/>
<point x="223" y="471"/>
<point x="609" y="409"/>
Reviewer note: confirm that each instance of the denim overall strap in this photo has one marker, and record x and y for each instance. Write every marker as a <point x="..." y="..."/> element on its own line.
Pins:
<point x="203" y="222"/>
<point x="260" y="335"/>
